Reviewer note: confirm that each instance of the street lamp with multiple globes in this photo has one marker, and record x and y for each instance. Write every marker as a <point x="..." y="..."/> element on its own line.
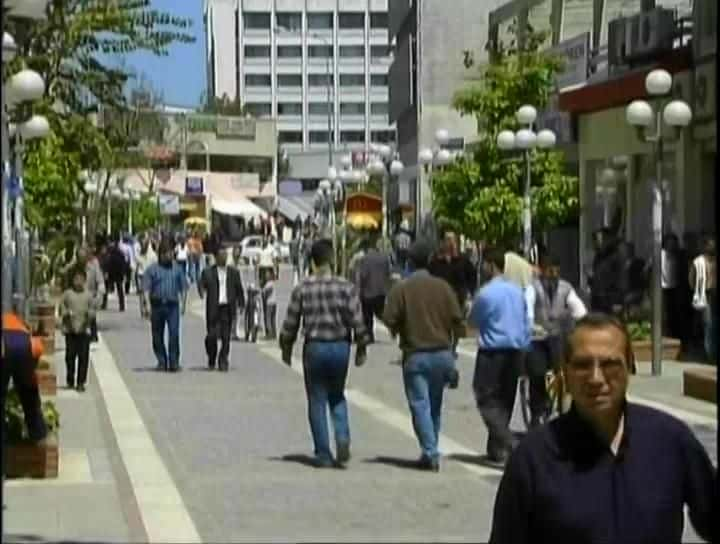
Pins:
<point x="387" y="164"/>
<point x="526" y="140"/>
<point x="21" y="88"/>
<point x="429" y="158"/>
<point x="649" y="125"/>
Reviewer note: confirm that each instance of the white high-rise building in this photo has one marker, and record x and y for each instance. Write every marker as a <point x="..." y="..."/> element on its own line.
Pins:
<point x="289" y="58"/>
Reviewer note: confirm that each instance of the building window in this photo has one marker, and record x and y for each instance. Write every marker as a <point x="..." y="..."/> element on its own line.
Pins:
<point x="352" y="108"/>
<point x="352" y="136"/>
<point x="352" y="80"/>
<point x="319" y="108"/>
<point x="379" y="80"/>
<point x="320" y="80"/>
<point x="285" y="108"/>
<point x="289" y="51"/>
<point x="352" y="51"/>
<point x="258" y="80"/>
<point x="320" y="21"/>
<point x="355" y="21"/>
<point x="259" y="109"/>
<point x="289" y="21"/>
<point x="320" y="51"/>
<point x="257" y="21"/>
<point x="379" y="20"/>
<point x="257" y="51"/>
<point x="290" y="137"/>
<point x="379" y="108"/>
<point x="383" y="136"/>
<point x="378" y="51"/>
<point x="289" y="80"/>
<point x="318" y="136"/>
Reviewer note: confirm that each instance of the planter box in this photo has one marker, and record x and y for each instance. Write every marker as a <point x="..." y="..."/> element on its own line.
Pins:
<point x="29" y="460"/>
<point x="48" y="343"/>
<point x="701" y="384"/>
<point x="47" y="382"/>
<point x="670" y="349"/>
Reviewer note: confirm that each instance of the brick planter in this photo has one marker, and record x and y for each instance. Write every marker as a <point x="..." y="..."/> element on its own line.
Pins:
<point x="29" y="460"/>
<point x="701" y="384"/>
<point x="47" y="382"/>
<point x="670" y="349"/>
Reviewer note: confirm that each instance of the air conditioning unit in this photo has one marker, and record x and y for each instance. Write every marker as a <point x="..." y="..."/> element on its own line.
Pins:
<point x="652" y="33"/>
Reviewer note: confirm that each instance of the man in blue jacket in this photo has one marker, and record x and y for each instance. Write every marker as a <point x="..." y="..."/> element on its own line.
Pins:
<point x="500" y="316"/>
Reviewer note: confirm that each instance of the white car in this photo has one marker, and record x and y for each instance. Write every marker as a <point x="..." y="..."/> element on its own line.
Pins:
<point x="251" y="246"/>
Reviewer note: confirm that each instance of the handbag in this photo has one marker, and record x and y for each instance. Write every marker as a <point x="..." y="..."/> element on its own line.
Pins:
<point x="699" y="301"/>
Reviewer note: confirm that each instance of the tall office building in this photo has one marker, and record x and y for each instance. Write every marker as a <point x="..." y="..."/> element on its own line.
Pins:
<point x="288" y="59"/>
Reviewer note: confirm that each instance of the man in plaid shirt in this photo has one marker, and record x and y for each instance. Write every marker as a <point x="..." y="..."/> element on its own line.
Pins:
<point x="330" y="310"/>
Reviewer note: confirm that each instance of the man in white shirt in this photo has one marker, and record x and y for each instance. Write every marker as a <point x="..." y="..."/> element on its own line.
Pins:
<point x="182" y="253"/>
<point x="225" y="295"/>
<point x="267" y="260"/>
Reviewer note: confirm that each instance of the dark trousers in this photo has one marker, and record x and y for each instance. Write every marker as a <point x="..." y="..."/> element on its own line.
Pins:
<point x="495" y="384"/>
<point x="115" y="284"/>
<point x="93" y="329"/>
<point x="128" y="280"/>
<point x="543" y="356"/>
<point x="77" y="349"/>
<point x="219" y="329"/>
<point x="166" y="314"/>
<point x="27" y="389"/>
<point x="372" y="307"/>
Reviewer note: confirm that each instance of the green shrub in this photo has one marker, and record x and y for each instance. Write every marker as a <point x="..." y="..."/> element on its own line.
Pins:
<point x="15" y="419"/>
<point x="639" y="330"/>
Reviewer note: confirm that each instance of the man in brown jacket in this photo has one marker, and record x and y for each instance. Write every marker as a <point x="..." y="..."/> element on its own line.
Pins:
<point x="424" y="311"/>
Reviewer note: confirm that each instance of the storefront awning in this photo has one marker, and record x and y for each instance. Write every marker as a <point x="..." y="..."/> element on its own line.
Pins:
<point x="290" y="209"/>
<point x="239" y="207"/>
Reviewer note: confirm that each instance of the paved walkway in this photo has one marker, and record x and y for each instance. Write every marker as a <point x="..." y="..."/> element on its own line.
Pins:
<point x="211" y="457"/>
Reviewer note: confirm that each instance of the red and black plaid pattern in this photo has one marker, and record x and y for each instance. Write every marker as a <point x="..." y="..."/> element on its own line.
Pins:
<point x="329" y="308"/>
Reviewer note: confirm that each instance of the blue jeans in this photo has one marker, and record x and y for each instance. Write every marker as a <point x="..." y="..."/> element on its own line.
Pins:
<point x="425" y="377"/>
<point x="161" y="314"/>
<point x="326" y="368"/>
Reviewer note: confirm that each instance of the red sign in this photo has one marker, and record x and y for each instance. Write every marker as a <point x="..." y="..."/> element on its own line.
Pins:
<point x="364" y="203"/>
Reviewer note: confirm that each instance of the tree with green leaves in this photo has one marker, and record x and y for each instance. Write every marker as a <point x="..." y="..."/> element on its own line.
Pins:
<point x="70" y="49"/>
<point x="480" y="193"/>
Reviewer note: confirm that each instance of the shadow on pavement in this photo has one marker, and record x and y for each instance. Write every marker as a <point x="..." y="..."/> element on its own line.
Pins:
<point x="204" y="368"/>
<point x="299" y="458"/>
<point x="398" y="462"/>
<point x="147" y="369"/>
<point x="480" y="460"/>
<point x="27" y="539"/>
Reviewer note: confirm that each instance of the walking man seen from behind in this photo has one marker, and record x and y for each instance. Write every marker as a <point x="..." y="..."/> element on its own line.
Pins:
<point x="608" y="470"/>
<point x="499" y="314"/>
<point x="424" y="311"/>
<point x="374" y="282"/>
<point x="225" y="295"/>
<point x="330" y="311"/>
<point x="165" y="286"/>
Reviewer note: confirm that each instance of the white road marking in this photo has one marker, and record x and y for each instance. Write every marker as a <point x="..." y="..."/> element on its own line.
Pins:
<point x="163" y="512"/>
<point x="395" y="419"/>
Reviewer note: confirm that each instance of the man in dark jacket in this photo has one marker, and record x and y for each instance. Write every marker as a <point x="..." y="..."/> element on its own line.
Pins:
<point x="116" y="268"/>
<point x="608" y="272"/>
<point x="456" y="269"/>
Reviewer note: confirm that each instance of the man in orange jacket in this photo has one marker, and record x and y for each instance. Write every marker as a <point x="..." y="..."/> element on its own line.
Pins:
<point x="20" y="355"/>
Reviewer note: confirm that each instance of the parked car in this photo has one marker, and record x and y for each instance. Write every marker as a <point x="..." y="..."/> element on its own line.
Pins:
<point x="251" y="246"/>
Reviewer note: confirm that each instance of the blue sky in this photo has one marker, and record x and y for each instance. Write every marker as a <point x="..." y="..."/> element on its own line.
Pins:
<point x="181" y="76"/>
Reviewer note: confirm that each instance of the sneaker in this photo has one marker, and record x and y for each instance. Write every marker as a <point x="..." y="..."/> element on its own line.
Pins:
<point x="430" y="465"/>
<point x="70" y="385"/>
<point x="80" y="388"/>
<point x="343" y="453"/>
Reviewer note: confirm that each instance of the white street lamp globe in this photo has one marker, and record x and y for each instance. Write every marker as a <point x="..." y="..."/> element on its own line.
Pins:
<point x="35" y="127"/>
<point x="442" y="137"/>
<point x="376" y="168"/>
<point x="332" y="173"/>
<point x="608" y="176"/>
<point x="346" y="176"/>
<point x="358" y="176"/>
<point x="526" y="115"/>
<point x="27" y="85"/>
<point x="639" y="113"/>
<point x="525" y="139"/>
<point x="425" y="156"/>
<point x="443" y="157"/>
<point x="12" y="129"/>
<point x="396" y="168"/>
<point x="506" y="140"/>
<point x="546" y="139"/>
<point x="90" y="188"/>
<point x="9" y="47"/>
<point x="385" y="151"/>
<point x="346" y="161"/>
<point x="324" y="185"/>
<point x="677" y="114"/>
<point x="658" y="82"/>
<point x="116" y="193"/>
